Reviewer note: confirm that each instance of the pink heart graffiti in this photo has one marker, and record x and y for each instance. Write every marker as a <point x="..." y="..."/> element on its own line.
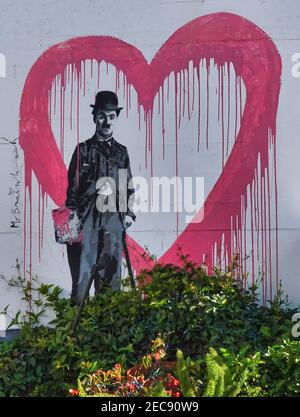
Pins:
<point x="225" y="37"/>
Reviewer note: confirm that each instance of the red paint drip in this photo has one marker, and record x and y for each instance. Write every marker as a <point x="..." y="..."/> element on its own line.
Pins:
<point x="139" y="114"/>
<point x="193" y="89"/>
<point x="245" y="240"/>
<point x="207" y="100"/>
<point x="184" y="92"/>
<point x="265" y="232"/>
<point x="176" y="143"/>
<point x="146" y="139"/>
<point x="158" y="102"/>
<point x="98" y="80"/>
<point x="163" y="121"/>
<point x="241" y="103"/>
<point x="188" y="93"/>
<point x="228" y="108"/>
<point x="39" y="222"/>
<point x="180" y="101"/>
<point x="262" y="241"/>
<point x="168" y="87"/>
<point x="84" y="83"/>
<point x="116" y="82"/>
<point x="276" y="209"/>
<point x="219" y="91"/>
<point x="124" y="85"/>
<point x="50" y="106"/>
<point x="71" y="99"/>
<point x="199" y="104"/>
<point x="55" y="81"/>
<point x="43" y="217"/>
<point x="252" y="234"/>
<point x="236" y="108"/>
<point x="222" y="114"/>
<point x="150" y="123"/>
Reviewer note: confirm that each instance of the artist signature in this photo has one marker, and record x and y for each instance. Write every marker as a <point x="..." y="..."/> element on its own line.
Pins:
<point x="14" y="191"/>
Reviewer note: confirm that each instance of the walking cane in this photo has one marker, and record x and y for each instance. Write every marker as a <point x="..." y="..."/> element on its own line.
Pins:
<point x="128" y="264"/>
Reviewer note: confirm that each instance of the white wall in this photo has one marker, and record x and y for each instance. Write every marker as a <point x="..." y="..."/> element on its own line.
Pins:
<point x="29" y="28"/>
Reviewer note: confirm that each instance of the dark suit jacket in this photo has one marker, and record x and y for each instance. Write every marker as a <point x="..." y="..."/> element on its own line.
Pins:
<point x="89" y="162"/>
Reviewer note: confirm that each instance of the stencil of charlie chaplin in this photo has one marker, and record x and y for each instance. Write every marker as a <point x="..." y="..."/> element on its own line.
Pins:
<point x="94" y="184"/>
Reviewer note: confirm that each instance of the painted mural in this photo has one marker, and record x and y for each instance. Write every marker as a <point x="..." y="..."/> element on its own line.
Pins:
<point x="207" y="100"/>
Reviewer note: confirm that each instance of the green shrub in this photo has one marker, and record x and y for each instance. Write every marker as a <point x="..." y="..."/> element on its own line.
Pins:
<point x="281" y="371"/>
<point x="193" y="312"/>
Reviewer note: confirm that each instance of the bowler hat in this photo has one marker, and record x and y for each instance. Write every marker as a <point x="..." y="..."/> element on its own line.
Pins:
<point x="106" y="100"/>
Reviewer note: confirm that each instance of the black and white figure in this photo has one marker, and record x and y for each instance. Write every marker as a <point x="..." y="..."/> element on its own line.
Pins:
<point x="99" y="189"/>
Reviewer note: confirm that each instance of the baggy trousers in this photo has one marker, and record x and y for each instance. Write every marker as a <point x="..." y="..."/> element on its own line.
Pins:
<point x="102" y="245"/>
